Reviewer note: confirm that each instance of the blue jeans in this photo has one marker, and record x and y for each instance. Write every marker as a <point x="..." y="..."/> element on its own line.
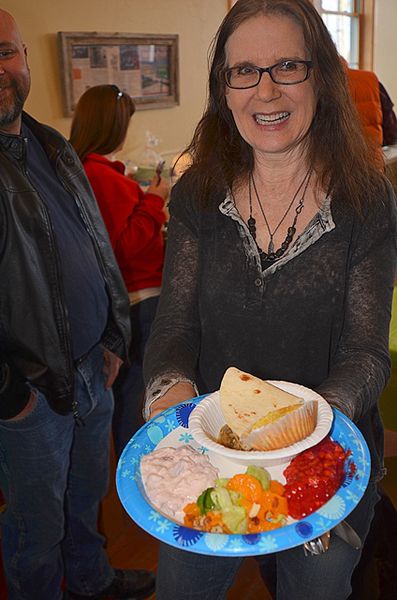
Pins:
<point x="53" y="475"/>
<point x="128" y="389"/>
<point x="183" y="575"/>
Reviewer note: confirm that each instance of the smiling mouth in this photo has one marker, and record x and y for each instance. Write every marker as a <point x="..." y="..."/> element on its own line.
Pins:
<point x="272" y="119"/>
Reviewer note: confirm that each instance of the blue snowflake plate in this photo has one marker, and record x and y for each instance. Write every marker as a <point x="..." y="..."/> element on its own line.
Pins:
<point x="171" y="428"/>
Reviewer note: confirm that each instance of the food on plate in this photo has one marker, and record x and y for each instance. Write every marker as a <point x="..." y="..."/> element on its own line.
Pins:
<point x="314" y="476"/>
<point x="253" y="502"/>
<point x="261" y="416"/>
<point x="172" y="477"/>
<point x="246" y="399"/>
<point x="248" y="502"/>
<point x="183" y="485"/>
<point x="289" y="425"/>
<point x="229" y="439"/>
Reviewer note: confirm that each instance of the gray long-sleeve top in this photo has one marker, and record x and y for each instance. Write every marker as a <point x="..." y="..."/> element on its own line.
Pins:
<point x="318" y="317"/>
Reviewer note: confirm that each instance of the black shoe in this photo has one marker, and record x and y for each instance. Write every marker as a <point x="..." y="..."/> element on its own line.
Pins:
<point x="126" y="585"/>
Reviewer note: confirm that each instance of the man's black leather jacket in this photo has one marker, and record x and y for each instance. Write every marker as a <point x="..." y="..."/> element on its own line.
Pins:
<point x="35" y="341"/>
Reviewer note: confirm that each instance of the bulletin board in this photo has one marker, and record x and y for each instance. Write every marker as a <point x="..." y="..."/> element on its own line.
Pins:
<point x="141" y="65"/>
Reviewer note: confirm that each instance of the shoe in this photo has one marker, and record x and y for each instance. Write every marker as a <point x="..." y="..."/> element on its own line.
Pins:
<point x="126" y="585"/>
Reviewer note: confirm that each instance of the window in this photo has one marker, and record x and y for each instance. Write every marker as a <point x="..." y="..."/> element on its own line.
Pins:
<point x="350" y="23"/>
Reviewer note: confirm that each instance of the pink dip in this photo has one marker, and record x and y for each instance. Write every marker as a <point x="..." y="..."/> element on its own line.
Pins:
<point x="173" y="477"/>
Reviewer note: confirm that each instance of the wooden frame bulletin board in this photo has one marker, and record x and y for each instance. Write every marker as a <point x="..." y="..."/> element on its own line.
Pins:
<point x="144" y="66"/>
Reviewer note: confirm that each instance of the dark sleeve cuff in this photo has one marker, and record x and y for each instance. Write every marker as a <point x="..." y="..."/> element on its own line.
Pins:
<point x="113" y="341"/>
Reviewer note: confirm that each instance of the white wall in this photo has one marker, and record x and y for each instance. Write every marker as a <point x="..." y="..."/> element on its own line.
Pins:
<point x="385" y="45"/>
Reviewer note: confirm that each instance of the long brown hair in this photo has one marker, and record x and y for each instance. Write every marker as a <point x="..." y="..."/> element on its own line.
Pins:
<point x="101" y="120"/>
<point x="336" y="145"/>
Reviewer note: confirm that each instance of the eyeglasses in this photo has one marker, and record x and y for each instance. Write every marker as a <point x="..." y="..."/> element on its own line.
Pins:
<point x="286" y="72"/>
<point x="117" y="90"/>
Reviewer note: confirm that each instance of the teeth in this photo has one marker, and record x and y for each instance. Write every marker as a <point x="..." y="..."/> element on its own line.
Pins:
<point x="274" y="118"/>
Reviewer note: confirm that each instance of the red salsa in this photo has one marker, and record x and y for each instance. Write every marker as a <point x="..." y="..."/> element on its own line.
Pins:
<point x="314" y="476"/>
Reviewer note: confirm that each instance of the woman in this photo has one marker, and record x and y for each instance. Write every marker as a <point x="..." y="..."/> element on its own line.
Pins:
<point x="281" y="260"/>
<point x="134" y="221"/>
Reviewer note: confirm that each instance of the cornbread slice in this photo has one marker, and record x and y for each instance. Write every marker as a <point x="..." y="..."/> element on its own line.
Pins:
<point x="289" y="427"/>
<point x="274" y="415"/>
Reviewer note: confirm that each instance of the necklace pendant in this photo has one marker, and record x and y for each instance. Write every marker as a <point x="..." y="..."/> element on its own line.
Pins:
<point x="270" y="248"/>
<point x="252" y="227"/>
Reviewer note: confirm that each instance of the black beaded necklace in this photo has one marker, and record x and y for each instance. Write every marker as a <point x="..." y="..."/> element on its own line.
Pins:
<point x="267" y="258"/>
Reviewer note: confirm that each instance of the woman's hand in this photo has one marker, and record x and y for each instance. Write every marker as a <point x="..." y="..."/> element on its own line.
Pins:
<point x="160" y="187"/>
<point x="178" y="393"/>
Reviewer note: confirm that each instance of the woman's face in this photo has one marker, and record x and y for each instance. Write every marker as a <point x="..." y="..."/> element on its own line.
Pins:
<point x="270" y="117"/>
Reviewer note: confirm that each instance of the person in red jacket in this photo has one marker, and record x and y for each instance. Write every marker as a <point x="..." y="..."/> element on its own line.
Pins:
<point x="134" y="221"/>
<point x="364" y="87"/>
<point x="374" y="106"/>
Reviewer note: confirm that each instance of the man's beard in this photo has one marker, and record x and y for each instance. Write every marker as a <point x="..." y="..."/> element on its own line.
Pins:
<point x="11" y="110"/>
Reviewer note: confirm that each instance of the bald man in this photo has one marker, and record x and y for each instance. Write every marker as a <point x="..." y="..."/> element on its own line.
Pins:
<point x="64" y="331"/>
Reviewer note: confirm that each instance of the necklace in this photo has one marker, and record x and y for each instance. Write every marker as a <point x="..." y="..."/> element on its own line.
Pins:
<point x="271" y="255"/>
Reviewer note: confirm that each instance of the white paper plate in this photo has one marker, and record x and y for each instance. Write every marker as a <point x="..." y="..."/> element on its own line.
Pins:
<point x="207" y="420"/>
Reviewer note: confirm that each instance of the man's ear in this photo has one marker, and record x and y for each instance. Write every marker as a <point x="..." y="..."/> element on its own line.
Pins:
<point x="25" y="51"/>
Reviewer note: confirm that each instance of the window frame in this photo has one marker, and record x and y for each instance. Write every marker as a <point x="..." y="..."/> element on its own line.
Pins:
<point x="364" y="9"/>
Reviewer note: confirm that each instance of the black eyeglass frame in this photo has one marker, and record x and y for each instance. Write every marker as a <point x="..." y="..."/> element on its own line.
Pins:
<point x="261" y="70"/>
<point x="117" y="90"/>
